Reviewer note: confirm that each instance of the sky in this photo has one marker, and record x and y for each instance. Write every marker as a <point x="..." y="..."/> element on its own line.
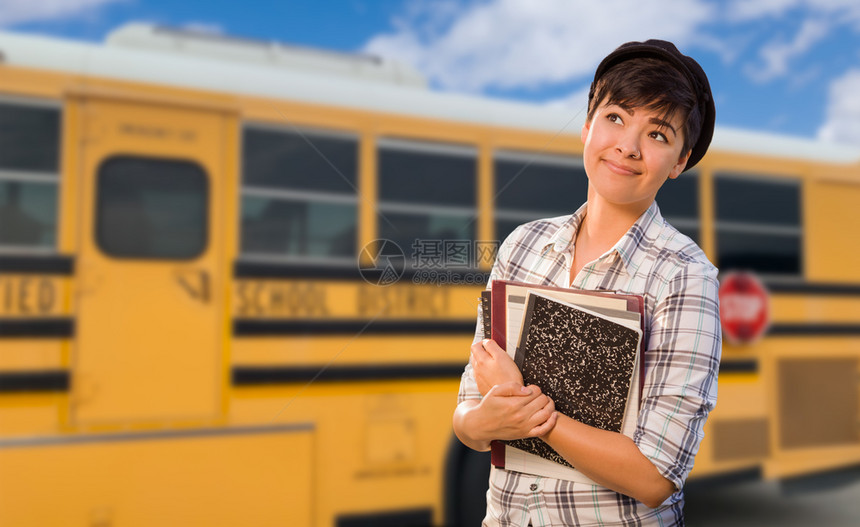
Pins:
<point x="782" y="66"/>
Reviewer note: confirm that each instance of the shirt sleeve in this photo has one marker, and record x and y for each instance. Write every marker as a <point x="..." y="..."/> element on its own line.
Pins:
<point x="681" y="364"/>
<point x="468" y="386"/>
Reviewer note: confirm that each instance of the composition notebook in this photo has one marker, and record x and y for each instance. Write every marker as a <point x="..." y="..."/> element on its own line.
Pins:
<point x="583" y="348"/>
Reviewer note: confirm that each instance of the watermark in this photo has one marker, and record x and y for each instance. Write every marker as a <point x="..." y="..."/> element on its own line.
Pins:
<point x="431" y="261"/>
<point x="381" y="262"/>
<point x="426" y="277"/>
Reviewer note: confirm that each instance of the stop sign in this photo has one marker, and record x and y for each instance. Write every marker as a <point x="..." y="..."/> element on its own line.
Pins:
<point x="744" y="307"/>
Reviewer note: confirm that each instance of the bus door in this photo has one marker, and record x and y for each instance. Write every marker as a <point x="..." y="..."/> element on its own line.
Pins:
<point x="149" y="344"/>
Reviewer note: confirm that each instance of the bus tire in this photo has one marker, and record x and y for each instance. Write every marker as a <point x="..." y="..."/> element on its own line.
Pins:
<point x="467" y="475"/>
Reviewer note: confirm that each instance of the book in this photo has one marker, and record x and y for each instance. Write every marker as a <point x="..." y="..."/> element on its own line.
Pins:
<point x="584" y="361"/>
<point x="486" y="308"/>
<point x="508" y="307"/>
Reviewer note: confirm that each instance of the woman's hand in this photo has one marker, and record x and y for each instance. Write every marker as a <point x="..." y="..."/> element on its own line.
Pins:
<point x="508" y="411"/>
<point x="517" y="411"/>
<point x="493" y="366"/>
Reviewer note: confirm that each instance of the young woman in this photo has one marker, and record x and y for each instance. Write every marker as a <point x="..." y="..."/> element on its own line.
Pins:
<point x="650" y="117"/>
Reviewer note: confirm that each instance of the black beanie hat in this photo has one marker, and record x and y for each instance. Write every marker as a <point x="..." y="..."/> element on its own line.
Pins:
<point x="667" y="51"/>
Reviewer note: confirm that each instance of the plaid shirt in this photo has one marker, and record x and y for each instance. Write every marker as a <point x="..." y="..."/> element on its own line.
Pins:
<point x="683" y="343"/>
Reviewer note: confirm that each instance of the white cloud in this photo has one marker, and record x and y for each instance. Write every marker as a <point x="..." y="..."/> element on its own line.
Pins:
<point x="838" y="12"/>
<point x="21" y="11"/>
<point x="575" y="101"/>
<point x="776" y="55"/>
<point x="746" y="10"/>
<point x="515" y="44"/>
<point x="754" y="10"/>
<point x="728" y="47"/>
<point x="842" y="123"/>
<point x="842" y="11"/>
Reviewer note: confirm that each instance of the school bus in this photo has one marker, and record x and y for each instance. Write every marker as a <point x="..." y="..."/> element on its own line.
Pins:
<point x="239" y="280"/>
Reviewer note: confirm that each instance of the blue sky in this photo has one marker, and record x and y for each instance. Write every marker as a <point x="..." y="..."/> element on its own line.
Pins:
<point x="785" y="66"/>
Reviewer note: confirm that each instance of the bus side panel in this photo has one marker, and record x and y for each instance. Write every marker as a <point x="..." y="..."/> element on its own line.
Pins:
<point x="380" y="445"/>
<point x="815" y="405"/>
<point x="830" y="209"/>
<point x="244" y="479"/>
<point x="737" y="431"/>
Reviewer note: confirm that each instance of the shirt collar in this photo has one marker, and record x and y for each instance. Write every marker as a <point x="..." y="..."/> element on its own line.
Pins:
<point x="628" y="248"/>
<point x="560" y="241"/>
<point x="637" y="241"/>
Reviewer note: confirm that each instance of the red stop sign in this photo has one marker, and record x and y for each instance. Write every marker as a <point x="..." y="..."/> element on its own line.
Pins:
<point x="744" y="308"/>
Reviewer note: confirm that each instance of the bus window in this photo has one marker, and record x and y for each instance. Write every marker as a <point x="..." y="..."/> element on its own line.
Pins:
<point x="758" y="224"/>
<point x="29" y="176"/>
<point x="299" y="196"/>
<point x="533" y="186"/>
<point x="427" y="192"/>
<point x="151" y="208"/>
<point x="679" y="203"/>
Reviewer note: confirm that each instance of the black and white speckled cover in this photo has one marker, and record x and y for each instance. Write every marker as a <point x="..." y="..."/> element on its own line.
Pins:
<point x="583" y="361"/>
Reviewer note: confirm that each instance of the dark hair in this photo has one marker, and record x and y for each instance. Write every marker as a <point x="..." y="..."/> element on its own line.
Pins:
<point x="653" y="84"/>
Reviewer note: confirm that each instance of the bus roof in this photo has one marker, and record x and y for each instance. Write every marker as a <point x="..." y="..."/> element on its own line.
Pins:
<point x="145" y="53"/>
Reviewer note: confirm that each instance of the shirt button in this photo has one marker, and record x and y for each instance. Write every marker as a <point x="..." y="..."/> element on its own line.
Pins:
<point x="533" y="486"/>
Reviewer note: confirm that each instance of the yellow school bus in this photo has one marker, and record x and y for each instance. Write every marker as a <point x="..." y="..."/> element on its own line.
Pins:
<point x="238" y="283"/>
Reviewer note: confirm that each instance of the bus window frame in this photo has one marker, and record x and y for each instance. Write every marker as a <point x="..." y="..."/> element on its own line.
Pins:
<point x="528" y="158"/>
<point x="38" y="176"/>
<point x="738" y="227"/>
<point x="425" y="146"/>
<point x="292" y="195"/>
<point x="682" y="223"/>
<point x="207" y="207"/>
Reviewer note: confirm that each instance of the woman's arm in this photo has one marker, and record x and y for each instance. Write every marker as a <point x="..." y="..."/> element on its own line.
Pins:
<point x="610" y="459"/>
<point x="493" y="402"/>
<point x="492" y="365"/>
<point x="681" y="364"/>
<point x="679" y="390"/>
<point x="507" y="411"/>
